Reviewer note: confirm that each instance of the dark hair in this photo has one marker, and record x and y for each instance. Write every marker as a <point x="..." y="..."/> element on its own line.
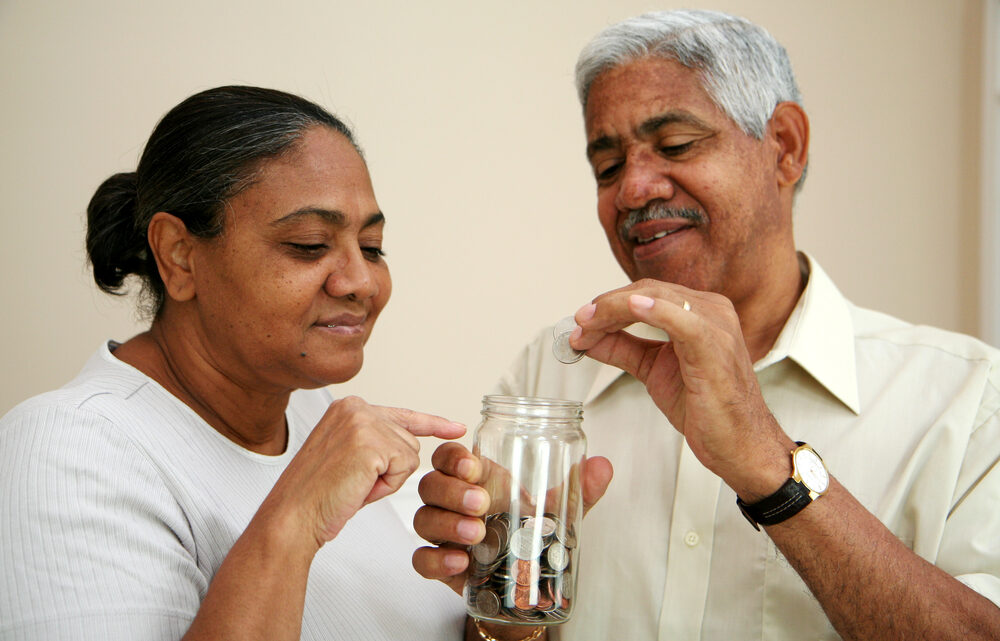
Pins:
<point x="204" y="151"/>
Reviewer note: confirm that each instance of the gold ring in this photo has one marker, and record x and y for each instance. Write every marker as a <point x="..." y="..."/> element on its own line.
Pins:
<point x="686" y="306"/>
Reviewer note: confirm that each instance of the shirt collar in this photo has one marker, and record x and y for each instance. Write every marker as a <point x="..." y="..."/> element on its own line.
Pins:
<point x="818" y="336"/>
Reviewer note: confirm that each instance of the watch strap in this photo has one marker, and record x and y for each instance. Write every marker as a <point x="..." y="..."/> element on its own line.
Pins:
<point x="788" y="501"/>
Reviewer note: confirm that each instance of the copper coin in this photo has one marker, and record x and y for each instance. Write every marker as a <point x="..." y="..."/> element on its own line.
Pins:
<point x="523" y="597"/>
<point x="526" y="572"/>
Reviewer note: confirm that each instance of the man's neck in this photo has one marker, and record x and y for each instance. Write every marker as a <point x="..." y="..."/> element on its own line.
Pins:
<point x="763" y="316"/>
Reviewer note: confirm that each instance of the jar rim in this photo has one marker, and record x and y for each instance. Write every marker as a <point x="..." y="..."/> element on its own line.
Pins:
<point x="535" y="401"/>
<point x="546" y="409"/>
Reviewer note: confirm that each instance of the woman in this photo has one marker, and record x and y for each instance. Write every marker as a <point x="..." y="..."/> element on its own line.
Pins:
<point x="172" y="490"/>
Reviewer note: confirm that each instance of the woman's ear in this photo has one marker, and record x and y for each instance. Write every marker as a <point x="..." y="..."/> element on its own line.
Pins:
<point x="789" y="127"/>
<point x="172" y="245"/>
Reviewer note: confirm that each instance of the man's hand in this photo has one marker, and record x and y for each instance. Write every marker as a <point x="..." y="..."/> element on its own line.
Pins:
<point x="702" y="379"/>
<point x="451" y="518"/>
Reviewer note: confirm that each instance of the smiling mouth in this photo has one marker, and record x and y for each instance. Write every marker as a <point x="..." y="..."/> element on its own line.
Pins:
<point x="645" y="240"/>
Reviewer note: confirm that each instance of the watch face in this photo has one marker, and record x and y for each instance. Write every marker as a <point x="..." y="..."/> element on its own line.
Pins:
<point x="811" y="470"/>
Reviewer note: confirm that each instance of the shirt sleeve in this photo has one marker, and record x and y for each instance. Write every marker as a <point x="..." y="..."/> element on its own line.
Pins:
<point x="94" y="546"/>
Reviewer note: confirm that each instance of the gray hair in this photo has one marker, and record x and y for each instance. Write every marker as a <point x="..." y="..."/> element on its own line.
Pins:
<point x="745" y="71"/>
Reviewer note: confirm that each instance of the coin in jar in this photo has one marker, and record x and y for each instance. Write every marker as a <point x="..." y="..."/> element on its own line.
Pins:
<point x="557" y="556"/>
<point x="487" y="550"/>
<point x="523" y="543"/>
<point x="526" y="572"/>
<point x="547" y="525"/>
<point x="488" y="603"/>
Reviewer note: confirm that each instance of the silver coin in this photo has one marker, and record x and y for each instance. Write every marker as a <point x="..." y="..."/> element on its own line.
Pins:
<point x="560" y="342"/>
<point x="566" y="585"/>
<point x="499" y="526"/>
<point x="566" y="536"/>
<point x="547" y="525"/>
<point x="487" y="550"/>
<point x="558" y="556"/>
<point x="523" y="544"/>
<point x="488" y="603"/>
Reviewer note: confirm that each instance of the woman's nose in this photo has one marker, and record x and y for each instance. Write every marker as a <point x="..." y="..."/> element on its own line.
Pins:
<point x="352" y="277"/>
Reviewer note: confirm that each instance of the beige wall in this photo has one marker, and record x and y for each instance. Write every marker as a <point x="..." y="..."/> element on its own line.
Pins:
<point x="468" y="117"/>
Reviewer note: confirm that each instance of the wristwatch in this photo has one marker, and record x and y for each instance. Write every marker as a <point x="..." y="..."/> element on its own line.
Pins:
<point x="810" y="480"/>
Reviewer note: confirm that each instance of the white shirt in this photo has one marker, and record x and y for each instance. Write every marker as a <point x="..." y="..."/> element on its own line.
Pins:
<point x="118" y="504"/>
<point x="905" y="417"/>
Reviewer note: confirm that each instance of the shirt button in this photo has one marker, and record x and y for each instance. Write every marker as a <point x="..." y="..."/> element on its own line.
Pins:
<point x="692" y="539"/>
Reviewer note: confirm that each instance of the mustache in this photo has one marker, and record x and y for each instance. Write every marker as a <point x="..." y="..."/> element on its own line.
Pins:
<point x="657" y="210"/>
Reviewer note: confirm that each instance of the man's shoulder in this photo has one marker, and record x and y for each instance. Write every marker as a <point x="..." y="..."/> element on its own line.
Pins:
<point x="878" y="327"/>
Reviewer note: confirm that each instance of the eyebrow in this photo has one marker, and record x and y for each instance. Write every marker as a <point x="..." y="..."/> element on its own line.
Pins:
<point x="646" y="128"/>
<point x="332" y="216"/>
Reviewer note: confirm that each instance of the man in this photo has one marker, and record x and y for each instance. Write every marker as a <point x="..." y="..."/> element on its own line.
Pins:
<point x="698" y="144"/>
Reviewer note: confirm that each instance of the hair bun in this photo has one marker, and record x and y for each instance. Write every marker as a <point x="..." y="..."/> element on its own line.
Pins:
<point x="115" y="247"/>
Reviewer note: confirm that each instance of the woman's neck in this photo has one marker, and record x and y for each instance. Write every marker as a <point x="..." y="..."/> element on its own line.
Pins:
<point x="252" y="419"/>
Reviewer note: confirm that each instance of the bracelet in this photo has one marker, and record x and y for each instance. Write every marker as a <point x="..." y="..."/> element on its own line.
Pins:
<point x="486" y="636"/>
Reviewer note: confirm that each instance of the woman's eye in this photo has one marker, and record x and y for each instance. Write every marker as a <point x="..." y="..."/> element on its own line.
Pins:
<point x="373" y="254"/>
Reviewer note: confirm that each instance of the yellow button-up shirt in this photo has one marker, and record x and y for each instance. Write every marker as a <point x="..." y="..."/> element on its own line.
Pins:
<point x="905" y="417"/>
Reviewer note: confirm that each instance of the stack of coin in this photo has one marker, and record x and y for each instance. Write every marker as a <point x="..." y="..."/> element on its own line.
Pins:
<point x="522" y="570"/>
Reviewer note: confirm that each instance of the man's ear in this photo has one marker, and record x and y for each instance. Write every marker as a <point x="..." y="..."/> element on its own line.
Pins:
<point x="172" y="247"/>
<point x="789" y="127"/>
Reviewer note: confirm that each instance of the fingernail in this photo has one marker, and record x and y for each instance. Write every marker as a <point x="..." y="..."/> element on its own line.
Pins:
<point x="465" y="469"/>
<point x="456" y="562"/>
<point x="640" y="301"/>
<point x="586" y="312"/>
<point x="474" y="500"/>
<point x="468" y="530"/>
<point x="575" y="335"/>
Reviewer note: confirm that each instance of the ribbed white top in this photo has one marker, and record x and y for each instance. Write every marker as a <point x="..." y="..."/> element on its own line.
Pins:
<point x="118" y="504"/>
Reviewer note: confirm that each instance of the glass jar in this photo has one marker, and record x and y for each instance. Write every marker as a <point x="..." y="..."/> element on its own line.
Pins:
<point x="524" y="570"/>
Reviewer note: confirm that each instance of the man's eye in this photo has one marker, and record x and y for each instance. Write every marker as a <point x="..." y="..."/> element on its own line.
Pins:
<point x="312" y="249"/>
<point x="676" y="150"/>
<point x="373" y="254"/>
<point x="607" y="172"/>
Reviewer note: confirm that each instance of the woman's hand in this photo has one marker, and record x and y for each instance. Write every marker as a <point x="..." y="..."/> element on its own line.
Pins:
<point x="357" y="453"/>
<point x="451" y="518"/>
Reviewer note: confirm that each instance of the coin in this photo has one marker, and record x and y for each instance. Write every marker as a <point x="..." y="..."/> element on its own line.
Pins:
<point x="558" y="556"/>
<point x="523" y="598"/>
<point x="566" y="536"/>
<point x="547" y="525"/>
<point x="526" y="572"/>
<point x="487" y="550"/>
<point x="523" y="544"/>
<point x="488" y="603"/>
<point x="561" y="348"/>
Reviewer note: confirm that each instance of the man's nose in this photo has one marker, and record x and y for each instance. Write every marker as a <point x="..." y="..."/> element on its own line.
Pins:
<point x="644" y="178"/>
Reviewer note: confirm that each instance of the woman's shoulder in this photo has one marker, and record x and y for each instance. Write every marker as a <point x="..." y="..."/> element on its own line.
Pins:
<point x="105" y="411"/>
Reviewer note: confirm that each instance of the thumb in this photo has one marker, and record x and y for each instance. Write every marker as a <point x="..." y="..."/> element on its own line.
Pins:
<point x="597" y="473"/>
